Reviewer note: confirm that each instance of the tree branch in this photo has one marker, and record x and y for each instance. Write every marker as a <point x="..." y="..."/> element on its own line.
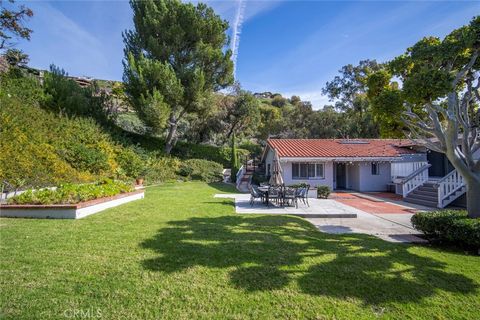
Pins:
<point x="465" y="69"/>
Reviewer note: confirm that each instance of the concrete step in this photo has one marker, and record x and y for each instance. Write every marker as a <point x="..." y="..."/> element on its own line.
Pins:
<point x="432" y="204"/>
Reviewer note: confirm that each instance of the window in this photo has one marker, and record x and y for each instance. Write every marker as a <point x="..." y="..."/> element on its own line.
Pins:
<point x="375" y="169"/>
<point x="307" y="170"/>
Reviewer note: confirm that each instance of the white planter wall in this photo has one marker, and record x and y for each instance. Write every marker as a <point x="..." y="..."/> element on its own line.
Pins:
<point x="66" y="211"/>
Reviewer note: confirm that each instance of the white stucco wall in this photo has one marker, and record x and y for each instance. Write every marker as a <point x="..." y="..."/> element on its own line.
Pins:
<point x="369" y="182"/>
<point x="327" y="181"/>
<point x="353" y="177"/>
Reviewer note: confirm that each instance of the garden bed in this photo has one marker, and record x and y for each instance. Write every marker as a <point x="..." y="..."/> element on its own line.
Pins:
<point x="68" y="211"/>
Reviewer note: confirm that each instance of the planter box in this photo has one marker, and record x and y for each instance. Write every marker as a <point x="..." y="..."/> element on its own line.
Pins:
<point x="68" y="211"/>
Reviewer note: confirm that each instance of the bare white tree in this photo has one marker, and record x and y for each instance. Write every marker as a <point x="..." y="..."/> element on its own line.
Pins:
<point x="452" y="128"/>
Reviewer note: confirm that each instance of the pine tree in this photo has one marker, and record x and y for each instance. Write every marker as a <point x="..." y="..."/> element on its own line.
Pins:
<point x="174" y="58"/>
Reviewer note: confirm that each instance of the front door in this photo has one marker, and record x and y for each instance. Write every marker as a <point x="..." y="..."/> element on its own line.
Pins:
<point x="440" y="164"/>
<point x="341" y="175"/>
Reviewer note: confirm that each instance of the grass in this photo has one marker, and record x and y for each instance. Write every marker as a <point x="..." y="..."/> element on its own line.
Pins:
<point x="182" y="254"/>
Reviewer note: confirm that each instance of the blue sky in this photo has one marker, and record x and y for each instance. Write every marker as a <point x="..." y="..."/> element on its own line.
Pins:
<point x="291" y="47"/>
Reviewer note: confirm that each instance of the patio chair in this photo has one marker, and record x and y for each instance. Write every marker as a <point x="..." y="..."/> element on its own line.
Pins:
<point x="302" y="194"/>
<point x="290" y="196"/>
<point x="275" y="193"/>
<point x="255" y="194"/>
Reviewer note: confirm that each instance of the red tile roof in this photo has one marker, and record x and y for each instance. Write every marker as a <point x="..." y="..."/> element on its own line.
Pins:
<point x="331" y="148"/>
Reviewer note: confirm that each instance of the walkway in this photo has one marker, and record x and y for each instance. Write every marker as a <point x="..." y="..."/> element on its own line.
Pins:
<point x="372" y="202"/>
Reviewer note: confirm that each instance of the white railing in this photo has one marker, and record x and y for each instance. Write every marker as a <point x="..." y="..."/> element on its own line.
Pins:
<point x="447" y="186"/>
<point x="404" y="169"/>
<point x="415" y="180"/>
<point x="240" y="173"/>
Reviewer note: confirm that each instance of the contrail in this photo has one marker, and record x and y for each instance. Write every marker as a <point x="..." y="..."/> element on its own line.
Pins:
<point x="237" y="31"/>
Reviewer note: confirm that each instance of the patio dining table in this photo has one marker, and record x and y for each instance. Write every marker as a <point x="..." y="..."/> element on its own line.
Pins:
<point x="264" y="190"/>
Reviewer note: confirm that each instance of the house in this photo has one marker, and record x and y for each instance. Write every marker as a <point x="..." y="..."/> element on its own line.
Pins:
<point x="421" y="176"/>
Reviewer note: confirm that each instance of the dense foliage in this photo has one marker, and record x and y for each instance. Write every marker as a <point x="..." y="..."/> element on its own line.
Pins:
<point x="46" y="144"/>
<point x="12" y="23"/>
<point x="175" y="59"/>
<point x="72" y="193"/>
<point x="204" y="170"/>
<point x="222" y="155"/>
<point x="438" y="101"/>
<point x="65" y="96"/>
<point x="451" y="226"/>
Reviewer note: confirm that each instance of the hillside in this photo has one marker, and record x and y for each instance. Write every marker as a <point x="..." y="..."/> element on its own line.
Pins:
<point x="54" y="131"/>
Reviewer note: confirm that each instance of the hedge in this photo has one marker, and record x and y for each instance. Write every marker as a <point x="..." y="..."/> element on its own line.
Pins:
<point x="451" y="226"/>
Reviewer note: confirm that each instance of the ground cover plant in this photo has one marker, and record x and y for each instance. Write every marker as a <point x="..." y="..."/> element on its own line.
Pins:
<point x="180" y="253"/>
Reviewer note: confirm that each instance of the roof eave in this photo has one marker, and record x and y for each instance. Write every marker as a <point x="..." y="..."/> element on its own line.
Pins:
<point x="343" y="159"/>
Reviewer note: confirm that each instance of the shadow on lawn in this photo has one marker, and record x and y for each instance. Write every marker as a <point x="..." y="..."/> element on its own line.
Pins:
<point x="267" y="253"/>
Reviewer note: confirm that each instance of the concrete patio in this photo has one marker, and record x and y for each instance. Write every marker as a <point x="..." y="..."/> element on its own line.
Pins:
<point x="332" y="216"/>
<point x="319" y="208"/>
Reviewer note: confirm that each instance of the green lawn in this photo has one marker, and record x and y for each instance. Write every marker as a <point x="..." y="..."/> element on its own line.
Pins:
<point x="182" y="254"/>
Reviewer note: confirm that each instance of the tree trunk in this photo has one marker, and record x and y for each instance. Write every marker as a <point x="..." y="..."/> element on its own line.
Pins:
<point x="473" y="198"/>
<point x="172" y="132"/>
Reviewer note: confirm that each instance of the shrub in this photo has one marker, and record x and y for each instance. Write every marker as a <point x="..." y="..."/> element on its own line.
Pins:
<point x="86" y="158"/>
<point x="161" y="169"/>
<point x="323" y="192"/>
<point x="72" y="193"/>
<point x="199" y="169"/>
<point x="450" y="226"/>
<point x="130" y="162"/>
<point x="66" y="96"/>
